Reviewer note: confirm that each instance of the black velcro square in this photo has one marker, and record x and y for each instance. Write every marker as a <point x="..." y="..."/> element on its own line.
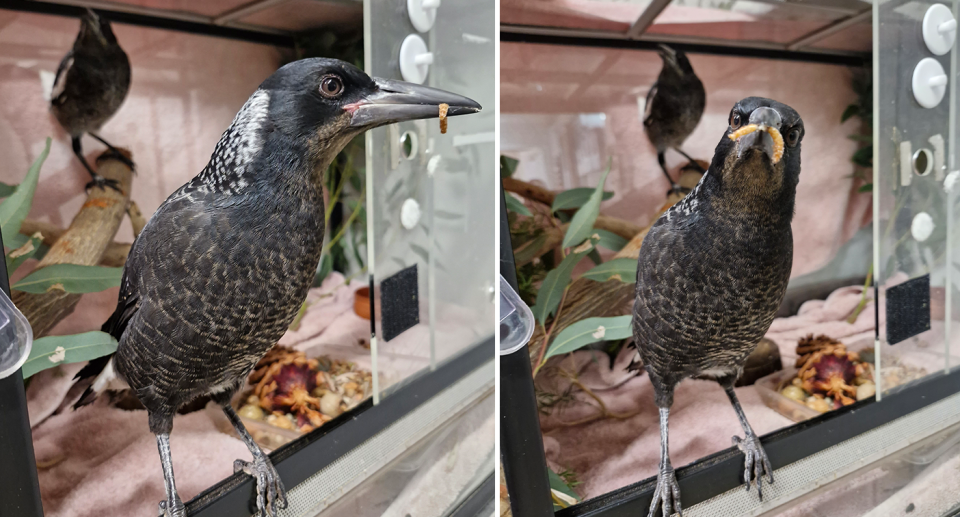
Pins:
<point x="400" y="301"/>
<point x="908" y="309"/>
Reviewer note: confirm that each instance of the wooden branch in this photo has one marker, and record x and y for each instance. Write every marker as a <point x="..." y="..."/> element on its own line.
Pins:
<point x="114" y="256"/>
<point x="136" y="218"/>
<point x="529" y="190"/>
<point x="84" y="243"/>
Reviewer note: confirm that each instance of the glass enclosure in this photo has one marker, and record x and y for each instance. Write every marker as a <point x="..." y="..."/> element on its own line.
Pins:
<point x="430" y="209"/>
<point x="914" y="206"/>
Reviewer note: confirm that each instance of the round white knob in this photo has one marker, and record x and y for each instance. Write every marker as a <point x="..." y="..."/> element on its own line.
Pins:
<point x="415" y="59"/>
<point x="922" y="226"/>
<point x="929" y="82"/>
<point x="410" y="213"/>
<point x="939" y="29"/>
<point x="422" y="13"/>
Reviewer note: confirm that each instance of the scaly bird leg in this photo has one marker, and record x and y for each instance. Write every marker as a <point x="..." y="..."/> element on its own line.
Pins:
<point x="173" y="506"/>
<point x="674" y="187"/>
<point x="270" y="491"/>
<point x="115" y="153"/>
<point x="687" y="156"/>
<point x="98" y="180"/>
<point x="755" y="457"/>
<point x="668" y="491"/>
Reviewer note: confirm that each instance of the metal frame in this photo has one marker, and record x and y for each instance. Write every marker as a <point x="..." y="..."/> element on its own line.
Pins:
<point x="797" y="50"/>
<point x="19" y="486"/>
<point x="521" y="443"/>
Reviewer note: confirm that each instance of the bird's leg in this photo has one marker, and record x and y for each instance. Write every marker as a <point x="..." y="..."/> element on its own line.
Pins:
<point x="173" y="506"/>
<point x="115" y="153"/>
<point x="668" y="491"/>
<point x="270" y="491"/>
<point x="694" y="162"/>
<point x="98" y="180"/>
<point x="674" y="187"/>
<point x="755" y="457"/>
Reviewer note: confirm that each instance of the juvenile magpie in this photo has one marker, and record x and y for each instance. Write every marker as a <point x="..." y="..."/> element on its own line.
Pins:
<point x="91" y="83"/>
<point x="713" y="271"/>
<point x="674" y="106"/>
<point x="222" y="268"/>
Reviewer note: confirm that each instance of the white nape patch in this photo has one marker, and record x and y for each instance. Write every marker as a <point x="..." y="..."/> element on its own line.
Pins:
<point x="48" y="85"/>
<point x="108" y="380"/>
<point x="237" y="148"/>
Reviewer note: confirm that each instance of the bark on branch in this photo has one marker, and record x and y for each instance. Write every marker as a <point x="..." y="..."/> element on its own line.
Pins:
<point x="85" y="242"/>
<point x="114" y="256"/>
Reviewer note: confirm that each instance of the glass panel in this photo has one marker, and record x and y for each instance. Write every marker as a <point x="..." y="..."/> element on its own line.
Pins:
<point x="858" y="38"/>
<point x="300" y="15"/>
<point x="206" y="8"/>
<point x="566" y="111"/>
<point x="912" y="225"/>
<point x="448" y="179"/>
<point x="602" y="15"/>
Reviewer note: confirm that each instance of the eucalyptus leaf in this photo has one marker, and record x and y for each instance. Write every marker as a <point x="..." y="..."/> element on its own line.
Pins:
<point x="864" y="156"/>
<point x="20" y="255"/>
<point x="72" y="278"/>
<point x="16" y="241"/>
<point x="623" y="269"/>
<point x="590" y="330"/>
<point x="852" y="110"/>
<point x="531" y="250"/>
<point x="508" y="166"/>
<point x="50" y="351"/>
<point x="575" y="198"/>
<point x="557" y="483"/>
<point x="7" y="190"/>
<point x="14" y="209"/>
<point x="557" y="279"/>
<point x="594" y="256"/>
<point x="581" y="226"/>
<point x="610" y="240"/>
<point x="515" y="205"/>
<point x="866" y="188"/>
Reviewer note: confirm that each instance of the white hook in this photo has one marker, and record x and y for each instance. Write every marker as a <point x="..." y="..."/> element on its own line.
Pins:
<point x="427" y="59"/>
<point x="945" y="27"/>
<point x="435" y="4"/>
<point x="938" y="80"/>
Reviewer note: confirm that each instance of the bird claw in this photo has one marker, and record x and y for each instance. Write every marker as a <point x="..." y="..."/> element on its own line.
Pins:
<point x="667" y="493"/>
<point x="173" y="508"/>
<point x="270" y="492"/>
<point x="103" y="183"/>
<point x="756" y="460"/>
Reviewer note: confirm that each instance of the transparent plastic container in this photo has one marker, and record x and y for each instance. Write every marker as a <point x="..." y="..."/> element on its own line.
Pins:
<point x="769" y="389"/>
<point x="516" y="320"/>
<point x="16" y="337"/>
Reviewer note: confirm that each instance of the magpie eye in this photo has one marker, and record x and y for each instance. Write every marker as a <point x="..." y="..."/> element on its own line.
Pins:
<point x="331" y="86"/>
<point x="793" y="137"/>
<point x="735" y="120"/>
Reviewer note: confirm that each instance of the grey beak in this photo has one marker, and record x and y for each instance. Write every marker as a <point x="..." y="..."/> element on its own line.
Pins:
<point x="763" y="117"/>
<point x="397" y="101"/>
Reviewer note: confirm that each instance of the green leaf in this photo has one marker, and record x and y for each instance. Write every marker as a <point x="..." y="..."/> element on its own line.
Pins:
<point x="20" y="255"/>
<point x="557" y="483"/>
<point x="323" y="269"/>
<point x="557" y="279"/>
<point x="623" y="269"/>
<point x="515" y="205"/>
<point x="508" y="166"/>
<point x="531" y="250"/>
<point x="50" y="351"/>
<point x="581" y="226"/>
<point x="851" y="111"/>
<point x="14" y="209"/>
<point x="72" y="278"/>
<point x="864" y="156"/>
<point x="590" y="330"/>
<point x="7" y="190"/>
<point x="594" y="256"/>
<point x="575" y="198"/>
<point x="16" y="241"/>
<point x="610" y="240"/>
<point x="866" y="188"/>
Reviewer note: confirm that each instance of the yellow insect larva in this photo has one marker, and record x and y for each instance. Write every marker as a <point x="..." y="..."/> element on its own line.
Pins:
<point x="772" y="131"/>
<point x="443" y="118"/>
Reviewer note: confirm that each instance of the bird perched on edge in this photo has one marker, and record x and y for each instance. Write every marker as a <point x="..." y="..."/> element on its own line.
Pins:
<point x="713" y="271"/>
<point x="91" y="83"/>
<point x="674" y="106"/>
<point x="221" y="269"/>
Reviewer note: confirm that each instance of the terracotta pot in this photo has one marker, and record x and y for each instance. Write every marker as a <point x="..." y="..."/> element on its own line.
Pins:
<point x="361" y="302"/>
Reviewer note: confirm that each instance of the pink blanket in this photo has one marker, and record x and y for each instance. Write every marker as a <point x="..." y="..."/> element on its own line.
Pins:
<point x="611" y="453"/>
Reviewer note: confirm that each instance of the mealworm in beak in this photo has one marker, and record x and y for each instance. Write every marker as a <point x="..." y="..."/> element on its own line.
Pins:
<point x="443" y="118"/>
<point x="772" y="131"/>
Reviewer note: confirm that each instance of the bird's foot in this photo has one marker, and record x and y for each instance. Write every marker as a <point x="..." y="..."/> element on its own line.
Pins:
<point x="667" y="493"/>
<point x="270" y="492"/>
<point x="115" y="154"/>
<point x="756" y="463"/>
<point x="103" y="183"/>
<point x="172" y="508"/>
